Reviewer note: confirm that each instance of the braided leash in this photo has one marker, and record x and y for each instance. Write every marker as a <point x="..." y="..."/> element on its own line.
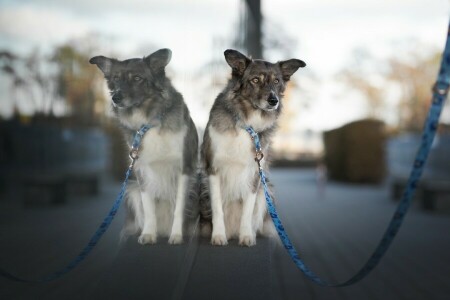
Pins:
<point x="440" y="91"/>
<point x="103" y="226"/>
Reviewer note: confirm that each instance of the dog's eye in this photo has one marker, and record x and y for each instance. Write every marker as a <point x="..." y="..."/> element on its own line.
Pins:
<point x="276" y="81"/>
<point x="255" y="80"/>
<point x="137" y="78"/>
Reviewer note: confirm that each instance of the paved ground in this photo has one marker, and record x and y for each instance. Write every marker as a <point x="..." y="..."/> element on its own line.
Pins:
<point x="336" y="232"/>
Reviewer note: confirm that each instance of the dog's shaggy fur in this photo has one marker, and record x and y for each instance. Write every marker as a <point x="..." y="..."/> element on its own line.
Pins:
<point x="233" y="198"/>
<point x="142" y="94"/>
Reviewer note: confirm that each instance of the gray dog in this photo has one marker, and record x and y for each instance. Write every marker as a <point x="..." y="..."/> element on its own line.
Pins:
<point x="142" y="94"/>
<point x="234" y="198"/>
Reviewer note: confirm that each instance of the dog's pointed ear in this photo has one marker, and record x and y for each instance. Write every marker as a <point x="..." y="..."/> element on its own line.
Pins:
<point x="103" y="63"/>
<point x="237" y="61"/>
<point x="158" y="60"/>
<point x="289" y="67"/>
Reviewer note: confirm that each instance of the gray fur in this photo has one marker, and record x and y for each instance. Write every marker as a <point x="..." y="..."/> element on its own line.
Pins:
<point x="252" y="83"/>
<point x="154" y="95"/>
<point x="139" y="87"/>
<point x="241" y="97"/>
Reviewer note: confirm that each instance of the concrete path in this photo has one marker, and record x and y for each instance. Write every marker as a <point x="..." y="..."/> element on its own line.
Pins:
<point x="336" y="231"/>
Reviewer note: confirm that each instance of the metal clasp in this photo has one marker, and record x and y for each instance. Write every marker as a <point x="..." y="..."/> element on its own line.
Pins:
<point x="440" y="91"/>
<point x="134" y="155"/>
<point x="258" y="157"/>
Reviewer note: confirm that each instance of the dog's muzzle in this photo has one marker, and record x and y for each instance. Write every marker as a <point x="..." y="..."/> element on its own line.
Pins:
<point x="273" y="100"/>
<point x="117" y="97"/>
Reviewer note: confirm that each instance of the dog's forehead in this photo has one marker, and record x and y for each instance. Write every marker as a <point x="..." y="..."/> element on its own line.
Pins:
<point x="262" y="66"/>
<point x="129" y="65"/>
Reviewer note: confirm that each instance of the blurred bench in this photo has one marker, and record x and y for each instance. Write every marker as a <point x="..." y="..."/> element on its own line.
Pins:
<point x="355" y="152"/>
<point x="47" y="160"/>
<point x="435" y="181"/>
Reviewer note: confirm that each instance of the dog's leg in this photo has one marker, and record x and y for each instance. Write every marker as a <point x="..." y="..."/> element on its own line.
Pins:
<point x="148" y="235"/>
<point x="247" y="236"/>
<point x="218" y="233"/>
<point x="176" y="235"/>
<point x="264" y="223"/>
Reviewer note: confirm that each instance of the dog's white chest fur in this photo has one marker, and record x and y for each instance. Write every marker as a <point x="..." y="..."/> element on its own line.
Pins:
<point x="162" y="147"/>
<point x="160" y="162"/>
<point x="135" y="120"/>
<point x="237" y="204"/>
<point x="258" y="122"/>
<point x="159" y="172"/>
<point x="234" y="161"/>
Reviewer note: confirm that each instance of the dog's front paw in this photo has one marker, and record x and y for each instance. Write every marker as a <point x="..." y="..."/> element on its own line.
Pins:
<point x="219" y="240"/>
<point x="247" y="240"/>
<point x="175" y="239"/>
<point x="147" y="238"/>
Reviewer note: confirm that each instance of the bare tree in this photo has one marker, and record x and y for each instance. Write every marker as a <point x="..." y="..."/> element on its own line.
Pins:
<point x="62" y="77"/>
<point x="413" y="72"/>
<point x="359" y="76"/>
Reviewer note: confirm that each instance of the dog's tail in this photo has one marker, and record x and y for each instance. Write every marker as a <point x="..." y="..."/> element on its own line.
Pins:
<point x="134" y="220"/>
<point x="191" y="208"/>
<point x="204" y="203"/>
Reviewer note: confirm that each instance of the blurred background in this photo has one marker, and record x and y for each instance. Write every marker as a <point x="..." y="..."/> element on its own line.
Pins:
<point x="351" y="123"/>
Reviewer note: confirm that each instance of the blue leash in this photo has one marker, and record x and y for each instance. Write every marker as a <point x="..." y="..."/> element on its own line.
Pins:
<point x="440" y="91"/>
<point x="103" y="226"/>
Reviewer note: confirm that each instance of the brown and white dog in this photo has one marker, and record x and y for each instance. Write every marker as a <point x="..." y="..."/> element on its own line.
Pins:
<point x="233" y="198"/>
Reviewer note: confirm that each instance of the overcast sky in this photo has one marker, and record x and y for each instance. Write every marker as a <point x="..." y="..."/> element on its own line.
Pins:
<point x="326" y="32"/>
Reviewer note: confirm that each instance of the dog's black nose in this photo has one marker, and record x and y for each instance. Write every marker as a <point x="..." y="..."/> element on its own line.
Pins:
<point x="117" y="97"/>
<point x="273" y="99"/>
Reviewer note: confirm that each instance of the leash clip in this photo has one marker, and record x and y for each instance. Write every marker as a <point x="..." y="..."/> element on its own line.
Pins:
<point x="134" y="155"/>
<point x="440" y="88"/>
<point x="258" y="157"/>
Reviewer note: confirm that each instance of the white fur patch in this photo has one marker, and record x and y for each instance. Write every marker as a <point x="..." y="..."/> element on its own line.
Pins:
<point x="161" y="148"/>
<point x="176" y="234"/>
<point x="234" y="161"/>
<point x="136" y="120"/>
<point x="256" y="120"/>
<point x="159" y="169"/>
<point x="219" y="233"/>
<point x="235" y="164"/>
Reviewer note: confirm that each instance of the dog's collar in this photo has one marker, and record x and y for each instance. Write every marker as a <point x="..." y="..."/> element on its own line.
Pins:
<point x="134" y="152"/>
<point x="259" y="155"/>
<point x="140" y="134"/>
<point x="253" y="134"/>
